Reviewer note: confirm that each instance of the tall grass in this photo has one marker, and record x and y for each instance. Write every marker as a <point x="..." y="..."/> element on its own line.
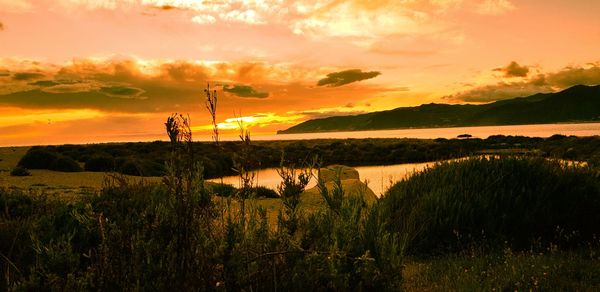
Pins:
<point x="513" y="199"/>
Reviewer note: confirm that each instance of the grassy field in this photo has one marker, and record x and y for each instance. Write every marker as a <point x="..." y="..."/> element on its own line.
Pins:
<point x="72" y="185"/>
<point x="424" y="235"/>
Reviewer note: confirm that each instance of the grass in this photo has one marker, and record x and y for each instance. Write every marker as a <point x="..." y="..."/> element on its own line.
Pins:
<point x="486" y="223"/>
<point x="506" y="270"/>
<point x="493" y="200"/>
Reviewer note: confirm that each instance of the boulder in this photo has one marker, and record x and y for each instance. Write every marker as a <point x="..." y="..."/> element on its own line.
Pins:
<point x="350" y="180"/>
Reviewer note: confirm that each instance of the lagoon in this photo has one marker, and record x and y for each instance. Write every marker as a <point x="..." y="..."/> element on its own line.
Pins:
<point x="379" y="178"/>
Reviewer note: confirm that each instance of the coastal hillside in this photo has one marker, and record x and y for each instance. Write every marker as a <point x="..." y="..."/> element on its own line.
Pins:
<point x="576" y="104"/>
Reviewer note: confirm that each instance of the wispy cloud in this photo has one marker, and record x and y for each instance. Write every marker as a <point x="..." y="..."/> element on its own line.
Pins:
<point x="27" y="76"/>
<point x="514" y="70"/>
<point x="548" y="82"/>
<point x="245" y="91"/>
<point x="336" y="79"/>
<point x="495" y="7"/>
<point x="138" y="86"/>
<point x="15" y="5"/>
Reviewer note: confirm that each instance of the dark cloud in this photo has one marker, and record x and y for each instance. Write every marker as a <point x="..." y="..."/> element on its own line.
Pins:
<point x="1" y="26"/>
<point x="125" y="85"/>
<point x="27" y="76"/>
<point x="245" y="91"/>
<point x="326" y="114"/>
<point x="345" y="77"/>
<point x="122" y="91"/>
<point x="549" y="82"/>
<point x="45" y="83"/>
<point x="165" y="7"/>
<point x="499" y="91"/>
<point x="514" y="70"/>
<point x="570" y="76"/>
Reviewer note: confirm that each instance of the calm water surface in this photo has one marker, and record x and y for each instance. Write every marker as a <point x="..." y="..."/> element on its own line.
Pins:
<point x="379" y="178"/>
<point x="382" y="177"/>
<point x="544" y="130"/>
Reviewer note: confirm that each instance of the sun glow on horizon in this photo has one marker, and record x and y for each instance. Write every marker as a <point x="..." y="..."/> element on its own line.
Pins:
<point x="118" y="68"/>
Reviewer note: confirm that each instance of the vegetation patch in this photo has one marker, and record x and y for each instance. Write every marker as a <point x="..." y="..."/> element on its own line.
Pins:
<point x="20" y="171"/>
<point x="517" y="200"/>
<point x="37" y="158"/>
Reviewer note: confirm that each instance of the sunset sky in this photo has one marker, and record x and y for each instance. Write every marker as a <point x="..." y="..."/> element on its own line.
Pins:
<point x="82" y="71"/>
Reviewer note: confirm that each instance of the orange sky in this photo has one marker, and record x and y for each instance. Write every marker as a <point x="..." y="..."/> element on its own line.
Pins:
<point x="82" y="71"/>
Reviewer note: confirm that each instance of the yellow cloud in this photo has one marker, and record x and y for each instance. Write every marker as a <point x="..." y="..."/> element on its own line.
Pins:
<point x="495" y="7"/>
<point x="16" y="117"/>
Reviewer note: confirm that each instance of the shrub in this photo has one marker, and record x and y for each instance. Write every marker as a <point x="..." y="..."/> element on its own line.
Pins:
<point x="38" y="159"/>
<point x="44" y="159"/>
<point x="100" y="163"/>
<point x="222" y="189"/>
<point x="129" y="166"/>
<point x="264" y="192"/>
<point x="512" y="199"/>
<point x="20" y="171"/>
<point x="66" y="164"/>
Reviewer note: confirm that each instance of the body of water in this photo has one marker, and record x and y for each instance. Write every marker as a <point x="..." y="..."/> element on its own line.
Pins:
<point x="379" y="178"/>
<point x="539" y="130"/>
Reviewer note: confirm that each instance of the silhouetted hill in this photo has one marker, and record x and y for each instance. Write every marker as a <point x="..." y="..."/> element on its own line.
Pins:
<point x="576" y="104"/>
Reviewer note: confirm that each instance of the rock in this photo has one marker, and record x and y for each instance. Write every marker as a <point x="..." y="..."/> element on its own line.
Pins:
<point x="351" y="184"/>
<point x="328" y="174"/>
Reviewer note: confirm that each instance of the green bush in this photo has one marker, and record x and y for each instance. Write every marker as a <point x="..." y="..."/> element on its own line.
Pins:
<point x="264" y="192"/>
<point x="514" y="199"/>
<point x="38" y="159"/>
<point x="102" y="163"/>
<point x="43" y="159"/>
<point x="129" y="166"/>
<point x="66" y="164"/>
<point x="222" y="189"/>
<point x="20" y="171"/>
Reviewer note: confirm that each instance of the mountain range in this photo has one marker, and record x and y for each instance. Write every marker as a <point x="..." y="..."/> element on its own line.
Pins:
<point x="579" y="103"/>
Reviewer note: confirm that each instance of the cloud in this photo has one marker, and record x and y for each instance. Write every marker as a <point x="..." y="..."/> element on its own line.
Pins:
<point x="514" y="70"/>
<point x="245" y="91"/>
<point x="204" y="19"/>
<point x="27" y="76"/>
<point x="548" y="82"/>
<point x="569" y="76"/>
<point x="1" y="26"/>
<point x="142" y="86"/>
<point x="495" y="7"/>
<point x="122" y="91"/>
<point x="45" y="83"/>
<point x="15" y="6"/>
<point x="326" y="113"/>
<point x="345" y="77"/>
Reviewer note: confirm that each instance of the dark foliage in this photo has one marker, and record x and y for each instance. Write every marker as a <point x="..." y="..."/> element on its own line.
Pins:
<point x="222" y="189"/>
<point x="495" y="200"/>
<point x="103" y="163"/>
<point x="38" y="158"/>
<point x="264" y="192"/>
<point x="20" y="171"/>
<point x="149" y="158"/>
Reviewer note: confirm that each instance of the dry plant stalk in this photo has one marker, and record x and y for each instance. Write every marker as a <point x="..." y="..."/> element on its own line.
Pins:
<point x="211" y="106"/>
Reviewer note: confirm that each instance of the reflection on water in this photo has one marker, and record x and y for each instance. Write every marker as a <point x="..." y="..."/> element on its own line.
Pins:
<point x="379" y="178"/>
